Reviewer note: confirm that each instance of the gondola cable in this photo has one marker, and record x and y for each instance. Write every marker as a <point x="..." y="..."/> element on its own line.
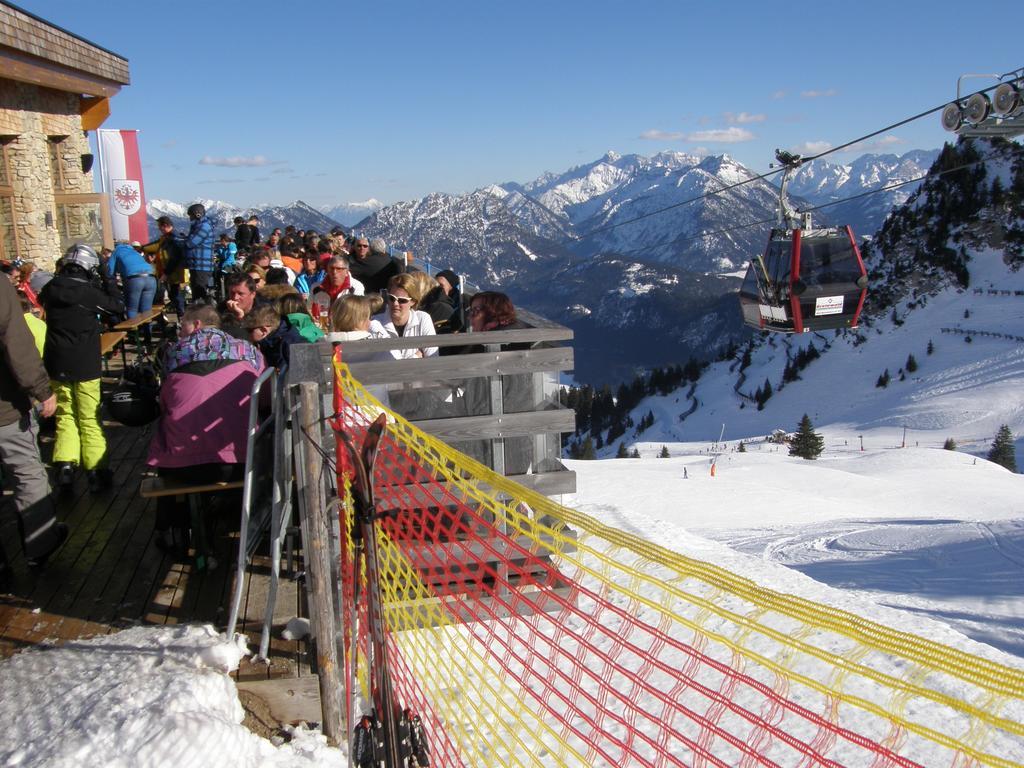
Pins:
<point x="735" y="228"/>
<point x="776" y="171"/>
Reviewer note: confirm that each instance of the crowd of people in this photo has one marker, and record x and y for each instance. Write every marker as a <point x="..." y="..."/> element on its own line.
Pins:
<point x="241" y="302"/>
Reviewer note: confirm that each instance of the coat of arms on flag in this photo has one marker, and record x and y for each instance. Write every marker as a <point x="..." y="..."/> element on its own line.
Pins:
<point x="126" y="195"/>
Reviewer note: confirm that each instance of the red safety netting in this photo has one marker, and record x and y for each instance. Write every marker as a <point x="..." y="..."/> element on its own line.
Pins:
<point x="524" y="633"/>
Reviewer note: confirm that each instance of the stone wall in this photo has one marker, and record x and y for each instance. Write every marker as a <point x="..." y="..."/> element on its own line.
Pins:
<point x="32" y="115"/>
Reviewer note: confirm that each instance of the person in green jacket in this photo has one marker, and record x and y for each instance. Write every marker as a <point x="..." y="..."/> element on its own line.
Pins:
<point x="294" y="310"/>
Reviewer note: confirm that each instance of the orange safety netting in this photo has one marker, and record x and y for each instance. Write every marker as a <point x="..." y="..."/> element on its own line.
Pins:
<point x="526" y="633"/>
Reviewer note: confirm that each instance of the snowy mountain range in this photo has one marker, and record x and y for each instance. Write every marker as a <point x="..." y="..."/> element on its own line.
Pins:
<point x="222" y="215"/>
<point x="628" y="250"/>
<point x="350" y="214"/>
<point x="941" y="355"/>
<point x="823" y="183"/>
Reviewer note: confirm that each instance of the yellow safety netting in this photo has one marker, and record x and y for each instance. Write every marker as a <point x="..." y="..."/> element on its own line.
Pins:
<point x="527" y="633"/>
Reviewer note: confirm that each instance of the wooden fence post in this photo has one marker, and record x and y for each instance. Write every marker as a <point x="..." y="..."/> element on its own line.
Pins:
<point x="316" y="545"/>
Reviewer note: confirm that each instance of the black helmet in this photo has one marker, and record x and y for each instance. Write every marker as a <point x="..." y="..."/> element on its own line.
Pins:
<point x="196" y="211"/>
<point x="133" y="405"/>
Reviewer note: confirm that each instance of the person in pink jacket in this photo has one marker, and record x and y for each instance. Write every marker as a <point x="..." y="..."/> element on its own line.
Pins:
<point x="204" y="411"/>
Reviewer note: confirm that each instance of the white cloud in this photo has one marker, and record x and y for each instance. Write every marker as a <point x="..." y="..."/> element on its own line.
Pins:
<point x="812" y="148"/>
<point x="722" y="135"/>
<point x="779" y="95"/>
<point x="235" y="162"/>
<point x="656" y="135"/>
<point x="818" y="94"/>
<point x="743" y="118"/>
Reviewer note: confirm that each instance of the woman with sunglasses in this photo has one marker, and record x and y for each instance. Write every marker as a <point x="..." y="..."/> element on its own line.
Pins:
<point x="401" y="318"/>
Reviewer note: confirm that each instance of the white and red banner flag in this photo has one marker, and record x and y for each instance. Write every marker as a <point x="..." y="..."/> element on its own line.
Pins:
<point x="121" y="176"/>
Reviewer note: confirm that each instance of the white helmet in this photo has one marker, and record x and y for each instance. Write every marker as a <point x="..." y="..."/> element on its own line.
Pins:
<point x="81" y="254"/>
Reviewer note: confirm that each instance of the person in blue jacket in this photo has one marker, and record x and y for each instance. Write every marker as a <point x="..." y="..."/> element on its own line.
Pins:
<point x="226" y="257"/>
<point x="199" y="252"/>
<point x="138" y="283"/>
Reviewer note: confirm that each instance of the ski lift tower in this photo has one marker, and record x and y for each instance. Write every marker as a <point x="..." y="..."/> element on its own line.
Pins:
<point x="979" y="115"/>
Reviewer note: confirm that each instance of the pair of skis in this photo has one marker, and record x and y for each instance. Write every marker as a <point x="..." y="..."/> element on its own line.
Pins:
<point x="387" y="737"/>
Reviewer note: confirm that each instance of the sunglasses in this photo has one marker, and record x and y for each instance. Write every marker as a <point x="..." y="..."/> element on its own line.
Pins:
<point x="403" y="300"/>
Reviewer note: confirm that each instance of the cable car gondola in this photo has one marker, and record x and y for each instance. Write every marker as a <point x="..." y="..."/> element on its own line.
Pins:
<point x="808" y="279"/>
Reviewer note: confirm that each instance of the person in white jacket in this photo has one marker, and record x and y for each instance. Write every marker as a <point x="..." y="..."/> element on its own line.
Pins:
<point x="401" y="319"/>
<point x="350" y="321"/>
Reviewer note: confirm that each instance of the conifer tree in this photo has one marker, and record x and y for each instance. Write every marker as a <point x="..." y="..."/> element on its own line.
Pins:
<point x="931" y="347"/>
<point x="806" y="443"/>
<point x="911" y="365"/>
<point x="664" y="453"/>
<point x="635" y="454"/>
<point x="622" y="453"/>
<point x="1002" y="451"/>
<point x="741" y="448"/>
<point x="587" y="451"/>
<point x="950" y="444"/>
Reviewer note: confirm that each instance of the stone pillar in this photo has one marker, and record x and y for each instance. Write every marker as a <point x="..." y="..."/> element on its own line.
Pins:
<point x="32" y="115"/>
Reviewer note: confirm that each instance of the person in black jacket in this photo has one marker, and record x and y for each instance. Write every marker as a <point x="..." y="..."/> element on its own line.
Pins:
<point x="243" y="235"/>
<point x="73" y="300"/>
<point x="371" y="265"/>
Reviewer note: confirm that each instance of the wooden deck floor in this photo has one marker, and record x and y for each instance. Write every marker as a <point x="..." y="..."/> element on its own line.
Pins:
<point x="110" y="575"/>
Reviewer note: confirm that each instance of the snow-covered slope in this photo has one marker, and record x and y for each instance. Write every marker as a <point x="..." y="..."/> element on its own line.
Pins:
<point x="970" y="384"/>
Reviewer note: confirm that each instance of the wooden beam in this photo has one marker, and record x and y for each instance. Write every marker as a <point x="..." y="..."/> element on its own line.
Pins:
<point x="291" y="700"/>
<point x="460" y="367"/>
<point x="316" y="548"/>
<point x="506" y="425"/>
<point x="94" y="110"/>
<point x="24" y="68"/>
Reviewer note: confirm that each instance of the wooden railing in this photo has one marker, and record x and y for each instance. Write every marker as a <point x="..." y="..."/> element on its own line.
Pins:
<point x="498" y="406"/>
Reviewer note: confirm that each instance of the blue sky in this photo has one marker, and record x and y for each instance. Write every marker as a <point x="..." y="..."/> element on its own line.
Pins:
<point x="268" y="101"/>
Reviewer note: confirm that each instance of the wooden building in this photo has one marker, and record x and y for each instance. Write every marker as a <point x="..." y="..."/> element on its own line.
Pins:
<point x="54" y="87"/>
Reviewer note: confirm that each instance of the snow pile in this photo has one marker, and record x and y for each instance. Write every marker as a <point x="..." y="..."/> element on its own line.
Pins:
<point x="143" y="697"/>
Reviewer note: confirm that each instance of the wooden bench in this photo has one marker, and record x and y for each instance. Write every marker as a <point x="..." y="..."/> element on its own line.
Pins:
<point x="109" y="341"/>
<point x="156" y="487"/>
